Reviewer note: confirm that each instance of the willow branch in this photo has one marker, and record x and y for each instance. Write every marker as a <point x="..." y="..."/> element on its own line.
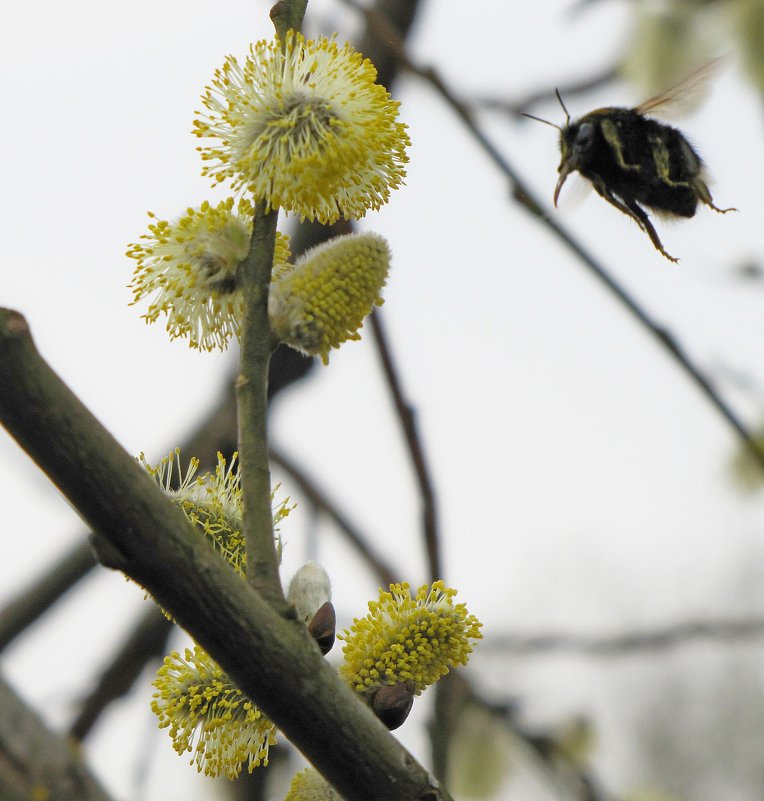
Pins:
<point x="256" y="344"/>
<point x="254" y="277"/>
<point x="287" y="15"/>
<point x="138" y="530"/>
<point x="526" y="198"/>
<point x="35" y="760"/>
<point x="217" y="432"/>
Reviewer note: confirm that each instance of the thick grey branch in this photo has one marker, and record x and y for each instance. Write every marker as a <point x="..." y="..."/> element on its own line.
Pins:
<point x="270" y="657"/>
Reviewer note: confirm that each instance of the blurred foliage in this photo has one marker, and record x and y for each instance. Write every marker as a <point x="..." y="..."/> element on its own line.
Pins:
<point x="745" y="472"/>
<point x="667" y="43"/>
<point x="650" y="794"/>
<point x="479" y="756"/>
<point x="748" y="21"/>
<point x="670" y="39"/>
<point x="575" y="740"/>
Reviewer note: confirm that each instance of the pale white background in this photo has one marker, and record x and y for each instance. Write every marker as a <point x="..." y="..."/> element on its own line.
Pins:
<point x="581" y="479"/>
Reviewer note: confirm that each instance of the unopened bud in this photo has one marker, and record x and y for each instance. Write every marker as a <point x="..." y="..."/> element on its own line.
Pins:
<point x="309" y="589"/>
<point x="392" y="703"/>
<point x="323" y="627"/>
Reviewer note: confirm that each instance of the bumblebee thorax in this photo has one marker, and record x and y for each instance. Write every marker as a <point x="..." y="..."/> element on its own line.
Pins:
<point x="582" y="140"/>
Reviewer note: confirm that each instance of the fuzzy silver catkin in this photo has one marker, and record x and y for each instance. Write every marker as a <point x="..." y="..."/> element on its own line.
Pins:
<point x="309" y="589"/>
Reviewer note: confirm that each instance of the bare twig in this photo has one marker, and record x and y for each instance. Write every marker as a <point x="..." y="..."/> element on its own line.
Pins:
<point x="254" y="277"/>
<point x="385" y="572"/>
<point x="515" y="108"/>
<point x="442" y="727"/>
<point x="526" y="198"/>
<point x="286" y="15"/>
<point x="32" y="602"/>
<point x="731" y="630"/>
<point x="407" y="417"/>
<point x="147" y="641"/>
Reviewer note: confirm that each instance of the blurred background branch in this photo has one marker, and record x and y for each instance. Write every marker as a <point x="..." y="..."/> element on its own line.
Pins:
<point x="35" y="763"/>
<point x="626" y="643"/>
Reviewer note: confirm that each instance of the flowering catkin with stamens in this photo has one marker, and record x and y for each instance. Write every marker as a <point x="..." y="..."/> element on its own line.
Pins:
<point x="322" y="300"/>
<point x="305" y="129"/>
<point x="309" y="785"/>
<point x="188" y="268"/>
<point x="213" y="502"/>
<point x="209" y="716"/>
<point x="408" y="640"/>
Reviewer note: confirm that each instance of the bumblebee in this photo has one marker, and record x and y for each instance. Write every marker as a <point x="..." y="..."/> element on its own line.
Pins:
<point x="633" y="160"/>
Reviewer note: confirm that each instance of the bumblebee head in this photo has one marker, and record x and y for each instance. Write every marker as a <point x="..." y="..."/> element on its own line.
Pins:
<point x="575" y="142"/>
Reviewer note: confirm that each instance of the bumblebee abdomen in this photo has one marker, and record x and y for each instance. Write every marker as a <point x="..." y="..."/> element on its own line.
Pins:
<point x="679" y="200"/>
<point x="676" y="178"/>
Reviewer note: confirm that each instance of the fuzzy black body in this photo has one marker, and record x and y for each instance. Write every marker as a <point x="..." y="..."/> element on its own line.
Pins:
<point x="636" y="159"/>
<point x="633" y="161"/>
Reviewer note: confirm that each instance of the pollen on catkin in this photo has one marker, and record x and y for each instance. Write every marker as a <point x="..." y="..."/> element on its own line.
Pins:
<point x="405" y="639"/>
<point x="188" y="269"/>
<point x="213" y="502"/>
<point x="309" y="785"/>
<point x="209" y="717"/>
<point x="322" y="300"/>
<point x="304" y="128"/>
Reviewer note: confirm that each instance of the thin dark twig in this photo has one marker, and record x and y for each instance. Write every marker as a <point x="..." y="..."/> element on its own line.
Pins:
<point x="386" y="573"/>
<point x="525" y="197"/>
<point x="515" y="108"/>
<point x="147" y="641"/>
<point x="407" y="417"/>
<point x="43" y="592"/>
<point x="631" y="642"/>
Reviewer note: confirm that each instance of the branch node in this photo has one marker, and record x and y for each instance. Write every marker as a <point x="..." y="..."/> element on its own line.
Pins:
<point x="108" y="554"/>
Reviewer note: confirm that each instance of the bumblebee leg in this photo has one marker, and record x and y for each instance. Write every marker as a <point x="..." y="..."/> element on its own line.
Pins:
<point x="689" y="164"/>
<point x="605" y="193"/>
<point x="640" y="215"/>
<point x="601" y="189"/>
<point x="705" y="195"/>
<point x="637" y="213"/>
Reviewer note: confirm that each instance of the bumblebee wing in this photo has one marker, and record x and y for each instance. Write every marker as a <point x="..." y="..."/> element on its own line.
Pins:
<point x="577" y="190"/>
<point x="684" y="96"/>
